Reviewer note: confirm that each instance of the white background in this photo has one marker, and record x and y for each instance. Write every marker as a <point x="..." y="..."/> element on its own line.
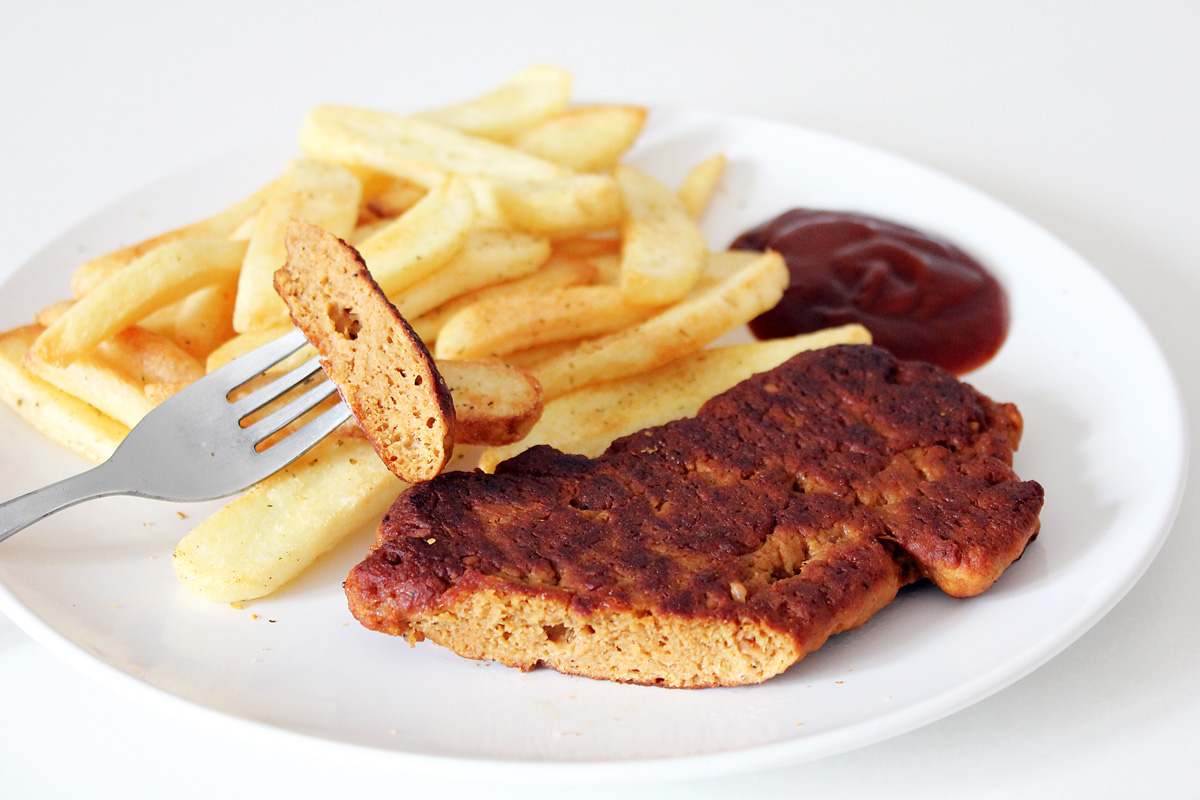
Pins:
<point x="1085" y="116"/>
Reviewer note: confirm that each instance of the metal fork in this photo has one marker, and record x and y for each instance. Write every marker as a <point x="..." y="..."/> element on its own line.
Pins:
<point x="193" y="446"/>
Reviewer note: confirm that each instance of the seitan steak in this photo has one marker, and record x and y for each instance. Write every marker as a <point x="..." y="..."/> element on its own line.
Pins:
<point x="719" y="549"/>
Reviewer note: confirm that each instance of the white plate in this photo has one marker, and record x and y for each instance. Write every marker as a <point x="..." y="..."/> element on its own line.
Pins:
<point x="95" y="585"/>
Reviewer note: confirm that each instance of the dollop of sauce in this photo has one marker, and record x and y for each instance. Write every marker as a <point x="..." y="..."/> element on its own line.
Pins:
<point x="921" y="297"/>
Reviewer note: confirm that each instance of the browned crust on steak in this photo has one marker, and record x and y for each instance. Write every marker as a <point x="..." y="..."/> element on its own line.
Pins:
<point x="792" y="507"/>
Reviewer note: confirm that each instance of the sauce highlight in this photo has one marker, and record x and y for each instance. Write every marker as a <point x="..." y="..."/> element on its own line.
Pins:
<point x="921" y="297"/>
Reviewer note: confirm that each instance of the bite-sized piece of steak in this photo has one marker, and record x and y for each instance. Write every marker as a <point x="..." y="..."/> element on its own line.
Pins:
<point x="719" y="549"/>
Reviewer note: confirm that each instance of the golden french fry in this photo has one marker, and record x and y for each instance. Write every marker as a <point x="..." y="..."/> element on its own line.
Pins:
<point x="245" y="342"/>
<point x="561" y="207"/>
<point x="245" y="229"/>
<point x="221" y="226"/>
<point x="523" y="100"/>
<point x="494" y="403"/>
<point x="51" y="313"/>
<point x="384" y="196"/>
<point x="698" y="187"/>
<point x="558" y="272"/>
<point x="372" y="181"/>
<point x="58" y="416"/>
<point x="204" y="320"/>
<point x="421" y="151"/>
<point x="608" y="269"/>
<point x="320" y="192"/>
<point x="663" y="251"/>
<point x="509" y="323"/>
<point x="683" y="328"/>
<point x="263" y="539"/>
<point x="365" y="230"/>
<point x="588" y="246"/>
<point x="144" y="354"/>
<point x="588" y="420"/>
<point x="723" y="263"/>
<point x="530" y="357"/>
<point x="96" y="381"/>
<point x="720" y="265"/>
<point x="423" y="239"/>
<point x="159" y="278"/>
<point x="488" y="215"/>
<point x="487" y="258"/>
<point x="392" y="199"/>
<point x="148" y="357"/>
<point x="158" y="392"/>
<point x="589" y="139"/>
<point x="162" y="321"/>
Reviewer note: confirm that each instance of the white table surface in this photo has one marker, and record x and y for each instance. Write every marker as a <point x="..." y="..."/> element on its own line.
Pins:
<point x="1085" y="116"/>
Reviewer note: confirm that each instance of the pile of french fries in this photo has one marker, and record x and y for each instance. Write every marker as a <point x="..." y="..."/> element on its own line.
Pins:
<point x="502" y="228"/>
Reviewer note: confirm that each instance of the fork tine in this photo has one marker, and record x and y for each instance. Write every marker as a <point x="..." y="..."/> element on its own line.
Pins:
<point x="242" y="369"/>
<point x="293" y="410"/>
<point x="291" y="447"/>
<point x="276" y="388"/>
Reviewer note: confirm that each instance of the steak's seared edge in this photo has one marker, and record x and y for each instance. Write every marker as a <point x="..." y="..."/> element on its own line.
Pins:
<point x="797" y="503"/>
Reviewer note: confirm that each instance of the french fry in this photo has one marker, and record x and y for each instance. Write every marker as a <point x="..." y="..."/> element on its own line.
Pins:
<point x="266" y="537"/>
<point x="365" y="230"/>
<point x="143" y="354"/>
<point x="590" y="139"/>
<point x="494" y="403"/>
<point x="245" y="342"/>
<point x="51" y="313"/>
<point x="58" y="416"/>
<point x="558" y="272"/>
<point x="561" y="207"/>
<point x="148" y="357"/>
<point x="158" y="392"/>
<point x="319" y="192"/>
<point x="588" y="420"/>
<point x="204" y="319"/>
<point x="487" y="258"/>
<point x="384" y="196"/>
<point x="220" y="226"/>
<point x="683" y="328"/>
<point x="608" y="269"/>
<point x="588" y="246"/>
<point x="525" y="99"/>
<point x="723" y="263"/>
<point x="245" y="229"/>
<point x="509" y="323"/>
<point x="96" y="381"/>
<point x="701" y="183"/>
<point x="373" y="183"/>
<point x="423" y="239"/>
<point x="159" y="278"/>
<point x="530" y="357"/>
<point x="488" y="215"/>
<point x="392" y="199"/>
<point x="418" y="150"/>
<point x="663" y="251"/>
<point x="162" y="321"/>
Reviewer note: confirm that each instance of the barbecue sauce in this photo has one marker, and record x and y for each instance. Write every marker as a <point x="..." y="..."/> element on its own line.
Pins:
<point x="921" y="297"/>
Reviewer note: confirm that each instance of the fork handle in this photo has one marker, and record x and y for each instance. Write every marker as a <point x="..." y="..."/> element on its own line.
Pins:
<point x="23" y="511"/>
